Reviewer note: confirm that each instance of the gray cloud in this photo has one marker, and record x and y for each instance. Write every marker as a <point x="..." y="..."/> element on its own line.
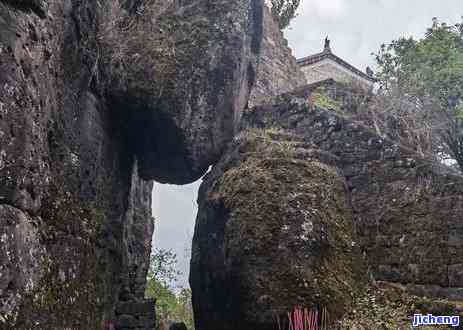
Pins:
<point x="358" y="27"/>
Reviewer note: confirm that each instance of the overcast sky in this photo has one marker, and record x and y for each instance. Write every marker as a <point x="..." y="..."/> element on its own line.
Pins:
<point x="356" y="29"/>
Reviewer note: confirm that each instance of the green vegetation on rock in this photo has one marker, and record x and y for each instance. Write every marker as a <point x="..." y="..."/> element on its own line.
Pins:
<point x="324" y="101"/>
<point x="275" y="200"/>
<point x="388" y="306"/>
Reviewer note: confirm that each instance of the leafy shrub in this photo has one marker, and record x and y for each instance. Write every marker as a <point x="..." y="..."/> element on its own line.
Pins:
<point x="284" y="11"/>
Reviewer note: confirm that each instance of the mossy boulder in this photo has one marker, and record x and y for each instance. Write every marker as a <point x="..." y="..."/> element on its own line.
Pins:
<point x="274" y="231"/>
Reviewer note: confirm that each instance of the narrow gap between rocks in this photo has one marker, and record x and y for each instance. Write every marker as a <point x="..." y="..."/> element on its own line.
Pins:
<point x="174" y="209"/>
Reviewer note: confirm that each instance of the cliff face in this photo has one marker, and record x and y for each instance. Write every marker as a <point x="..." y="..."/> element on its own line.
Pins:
<point x="278" y="71"/>
<point x="86" y="122"/>
<point x="65" y="171"/>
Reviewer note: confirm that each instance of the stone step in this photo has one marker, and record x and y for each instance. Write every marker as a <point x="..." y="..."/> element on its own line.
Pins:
<point x="135" y="315"/>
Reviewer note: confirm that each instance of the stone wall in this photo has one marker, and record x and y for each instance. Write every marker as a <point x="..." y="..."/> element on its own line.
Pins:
<point x="407" y="210"/>
<point x="315" y="73"/>
<point x="278" y="71"/>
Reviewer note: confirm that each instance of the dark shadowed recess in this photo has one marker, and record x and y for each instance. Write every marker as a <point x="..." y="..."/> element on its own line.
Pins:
<point x="155" y="140"/>
<point x="222" y="307"/>
<point x="35" y="6"/>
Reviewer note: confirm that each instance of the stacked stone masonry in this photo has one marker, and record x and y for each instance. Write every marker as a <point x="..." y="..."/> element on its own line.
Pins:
<point x="278" y="71"/>
<point x="407" y="210"/>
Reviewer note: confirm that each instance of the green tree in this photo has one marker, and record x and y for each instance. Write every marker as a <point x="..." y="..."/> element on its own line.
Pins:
<point x="170" y="306"/>
<point x="284" y="11"/>
<point x="161" y="274"/>
<point x="166" y="301"/>
<point x="429" y="73"/>
<point x="163" y="267"/>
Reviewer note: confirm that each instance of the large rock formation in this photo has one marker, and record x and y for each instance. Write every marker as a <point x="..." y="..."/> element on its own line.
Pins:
<point x="98" y="98"/>
<point x="190" y="74"/>
<point x="406" y="218"/>
<point x="274" y="232"/>
<point x="407" y="209"/>
<point x="86" y="121"/>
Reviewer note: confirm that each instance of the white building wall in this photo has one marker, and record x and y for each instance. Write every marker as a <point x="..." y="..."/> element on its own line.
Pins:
<point x="328" y="68"/>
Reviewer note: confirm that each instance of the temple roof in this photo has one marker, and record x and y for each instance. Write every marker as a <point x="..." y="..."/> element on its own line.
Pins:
<point x="327" y="54"/>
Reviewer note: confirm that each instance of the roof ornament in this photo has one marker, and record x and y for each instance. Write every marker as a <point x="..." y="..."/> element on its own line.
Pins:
<point x="327" y="47"/>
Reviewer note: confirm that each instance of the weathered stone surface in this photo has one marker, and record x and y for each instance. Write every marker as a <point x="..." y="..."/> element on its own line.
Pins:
<point x="47" y="171"/>
<point x="391" y="306"/>
<point x="135" y="308"/>
<point x="79" y="142"/>
<point x="136" y="239"/>
<point x="39" y="7"/>
<point x="187" y="93"/>
<point x="278" y="71"/>
<point x="406" y="214"/>
<point x="22" y="258"/>
<point x="66" y="164"/>
<point x="136" y="315"/>
<point x="407" y="210"/>
<point x="274" y="231"/>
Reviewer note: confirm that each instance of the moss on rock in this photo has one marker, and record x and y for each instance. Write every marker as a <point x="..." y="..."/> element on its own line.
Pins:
<point x="388" y="306"/>
<point x="288" y="235"/>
